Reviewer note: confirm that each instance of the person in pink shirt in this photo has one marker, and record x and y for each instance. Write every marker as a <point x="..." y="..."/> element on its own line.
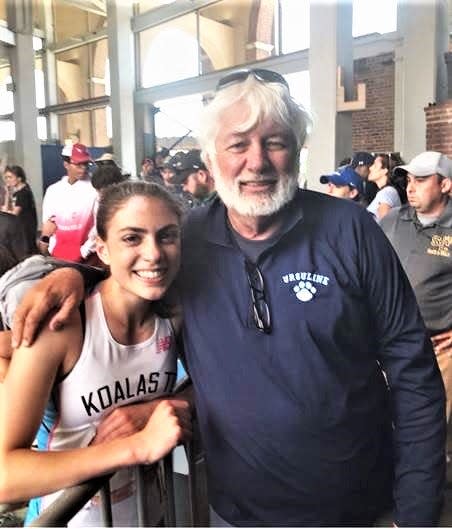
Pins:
<point x="67" y="207"/>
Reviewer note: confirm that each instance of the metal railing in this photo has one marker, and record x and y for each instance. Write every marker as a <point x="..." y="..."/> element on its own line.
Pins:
<point x="155" y="495"/>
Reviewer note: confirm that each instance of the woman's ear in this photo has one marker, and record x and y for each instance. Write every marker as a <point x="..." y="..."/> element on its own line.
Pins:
<point x="102" y="251"/>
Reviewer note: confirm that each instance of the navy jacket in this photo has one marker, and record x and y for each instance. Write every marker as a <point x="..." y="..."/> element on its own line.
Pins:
<point x="297" y="424"/>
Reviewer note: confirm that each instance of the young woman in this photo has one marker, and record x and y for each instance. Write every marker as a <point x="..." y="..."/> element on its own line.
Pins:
<point x="392" y="191"/>
<point x="19" y="201"/>
<point x="119" y="350"/>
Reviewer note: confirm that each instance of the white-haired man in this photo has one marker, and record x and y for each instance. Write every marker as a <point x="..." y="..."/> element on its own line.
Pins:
<point x="294" y="304"/>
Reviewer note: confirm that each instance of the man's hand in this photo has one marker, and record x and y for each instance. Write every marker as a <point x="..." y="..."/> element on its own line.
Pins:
<point x="442" y="343"/>
<point x="62" y="290"/>
<point x="126" y="420"/>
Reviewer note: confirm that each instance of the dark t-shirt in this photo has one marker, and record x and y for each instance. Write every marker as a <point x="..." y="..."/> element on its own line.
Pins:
<point x="24" y="199"/>
<point x="12" y="238"/>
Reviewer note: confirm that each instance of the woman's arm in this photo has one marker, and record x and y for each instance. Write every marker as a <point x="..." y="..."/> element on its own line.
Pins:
<point x="5" y="353"/>
<point x="26" y="392"/>
<point x="383" y="209"/>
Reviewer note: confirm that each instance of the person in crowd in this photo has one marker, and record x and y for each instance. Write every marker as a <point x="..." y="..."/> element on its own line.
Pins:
<point x="361" y="162"/>
<point x="160" y="158"/>
<point x="13" y="240"/>
<point x="316" y="387"/>
<point x="120" y="349"/>
<point x="67" y="207"/>
<point x="421" y="234"/>
<point x="391" y="187"/>
<point x="106" y="158"/>
<point x="194" y="177"/>
<point x="149" y="172"/>
<point x="104" y="174"/>
<point x="20" y="201"/>
<point x="344" y="183"/>
<point x="168" y="172"/>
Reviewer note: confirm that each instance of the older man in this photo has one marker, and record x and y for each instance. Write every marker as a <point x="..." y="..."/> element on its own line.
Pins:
<point x="421" y="233"/>
<point x="294" y="305"/>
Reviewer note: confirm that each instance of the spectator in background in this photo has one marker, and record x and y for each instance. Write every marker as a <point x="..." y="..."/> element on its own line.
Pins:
<point x="20" y="202"/>
<point x="149" y="171"/>
<point x="104" y="175"/>
<point x="67" y="207"/>
<point x="13" y="240"/>
<point x="392" y="188"/>
<point x="361" y="162"/>
<point x="194" y="177"/>
<point x="344" y="183"/>
<point x="160" y="157"/>
<point x="107" y="158"/>
<point x="421" y="233"/>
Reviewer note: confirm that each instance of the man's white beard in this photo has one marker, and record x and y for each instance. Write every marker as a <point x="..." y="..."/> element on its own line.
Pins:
<point x="259" y="204"/>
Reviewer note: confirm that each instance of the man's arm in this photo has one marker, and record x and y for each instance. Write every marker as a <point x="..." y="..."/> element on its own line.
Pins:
<point x="60" y="291"/>
<point x="416" y="389"/>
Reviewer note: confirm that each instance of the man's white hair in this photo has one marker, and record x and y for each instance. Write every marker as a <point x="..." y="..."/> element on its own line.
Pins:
<point x="265" y="101"/>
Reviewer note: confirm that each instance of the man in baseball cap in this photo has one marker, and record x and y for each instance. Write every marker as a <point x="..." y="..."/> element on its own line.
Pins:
<point x="421" y="233"/>
<point x="427" y="164"/>
<point x="193" y="175"/>
<point x="344" y="183"/>
<point x="68" y="207"/>
<point x="361" y="162"/>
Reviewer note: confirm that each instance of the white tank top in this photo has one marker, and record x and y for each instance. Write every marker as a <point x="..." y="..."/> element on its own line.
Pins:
<point x="106" y="376"/>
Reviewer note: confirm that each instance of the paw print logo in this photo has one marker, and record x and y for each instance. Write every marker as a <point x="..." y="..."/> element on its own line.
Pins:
<point x="304" y="291"/>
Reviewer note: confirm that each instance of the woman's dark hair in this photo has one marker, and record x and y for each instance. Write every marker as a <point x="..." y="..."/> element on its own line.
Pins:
<point x="114" y="196"/>
<point x="105" y="175"/>
<point x="396" y="179"/>
<point x="17" y="171"/>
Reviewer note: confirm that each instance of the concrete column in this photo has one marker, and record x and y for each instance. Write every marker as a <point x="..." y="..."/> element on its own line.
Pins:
<point x="122" y="79"/>
<point x="51" y="85"/>
<point x="27" y="146"/>
<point x="420" y="70"/>
<point x="331" y="45"/>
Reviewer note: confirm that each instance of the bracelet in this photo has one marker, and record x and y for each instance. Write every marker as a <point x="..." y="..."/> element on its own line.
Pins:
<point x="45" y="239"/>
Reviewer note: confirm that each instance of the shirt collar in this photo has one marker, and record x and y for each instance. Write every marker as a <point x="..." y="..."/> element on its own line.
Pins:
<point x="218" y="231"/>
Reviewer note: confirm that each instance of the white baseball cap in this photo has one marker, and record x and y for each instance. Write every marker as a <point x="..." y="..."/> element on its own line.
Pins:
<point x="428" y="163"/>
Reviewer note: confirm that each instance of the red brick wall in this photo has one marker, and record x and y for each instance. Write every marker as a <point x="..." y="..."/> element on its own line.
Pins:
<point x="373" y="128"/>
<point x="439" y="127"/>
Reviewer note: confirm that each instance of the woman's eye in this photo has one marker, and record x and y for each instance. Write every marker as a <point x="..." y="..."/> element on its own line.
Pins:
<point x="131" y="239"/>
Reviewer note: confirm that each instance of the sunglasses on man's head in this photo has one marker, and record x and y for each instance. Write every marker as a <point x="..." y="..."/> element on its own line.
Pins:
<point x="264" y="76"/>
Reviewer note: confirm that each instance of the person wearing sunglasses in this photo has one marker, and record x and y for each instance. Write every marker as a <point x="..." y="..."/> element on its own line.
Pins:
<point x="316" y="389"/>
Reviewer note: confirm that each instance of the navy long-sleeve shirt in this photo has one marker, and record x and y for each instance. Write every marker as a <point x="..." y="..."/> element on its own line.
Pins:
<point x="299" y="425"/>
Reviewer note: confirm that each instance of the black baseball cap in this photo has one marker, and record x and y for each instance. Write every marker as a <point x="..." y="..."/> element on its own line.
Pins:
<point x="362" y="158"/>
<point x="185" y="163"/>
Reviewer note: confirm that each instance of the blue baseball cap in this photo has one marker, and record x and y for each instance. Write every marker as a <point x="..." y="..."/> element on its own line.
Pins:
<point x="344" y="176"/>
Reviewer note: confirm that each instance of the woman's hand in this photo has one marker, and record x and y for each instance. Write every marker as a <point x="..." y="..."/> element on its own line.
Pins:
<point x="168" y="426"/>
